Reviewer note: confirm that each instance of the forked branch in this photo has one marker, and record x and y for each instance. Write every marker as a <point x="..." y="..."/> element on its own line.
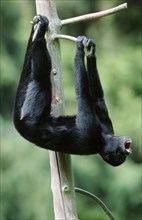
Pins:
<point x="91" y="16"/>
<point x="86" y="18"/>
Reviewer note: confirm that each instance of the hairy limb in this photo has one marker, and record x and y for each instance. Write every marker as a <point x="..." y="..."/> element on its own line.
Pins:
<point x="33" y="98"/>
<point x="81" y="83"/>
<point x="96" y="90"/>
<point x="95" y="87"/>
<point x="85" y="116"/>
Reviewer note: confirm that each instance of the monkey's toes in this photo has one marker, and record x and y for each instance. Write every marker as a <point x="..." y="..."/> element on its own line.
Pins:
<point x="90" y="47"/>
<point x="90" y="43"/>
<point x="40" y="24"/>
<point x="40" y="19"/>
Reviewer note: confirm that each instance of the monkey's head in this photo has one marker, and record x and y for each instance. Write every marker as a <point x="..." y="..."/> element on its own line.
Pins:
<point x="116" y="149"/>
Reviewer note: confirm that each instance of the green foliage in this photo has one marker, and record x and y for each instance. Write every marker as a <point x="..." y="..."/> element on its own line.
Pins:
<point x="25" y="179"/>
<point x="25" y="172"/>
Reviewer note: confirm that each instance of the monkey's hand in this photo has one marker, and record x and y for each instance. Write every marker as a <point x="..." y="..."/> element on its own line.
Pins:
<point x="87" y="43"/>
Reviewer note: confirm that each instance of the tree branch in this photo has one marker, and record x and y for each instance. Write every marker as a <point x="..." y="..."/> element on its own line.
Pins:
<point x="95" y="198"/>
<point x="62" y="36"/>
<point x="62" y="183"/>
<point x="93" y="15"/>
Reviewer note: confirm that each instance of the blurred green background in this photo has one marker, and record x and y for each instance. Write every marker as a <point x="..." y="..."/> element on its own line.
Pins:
<point x="25" y="171"/>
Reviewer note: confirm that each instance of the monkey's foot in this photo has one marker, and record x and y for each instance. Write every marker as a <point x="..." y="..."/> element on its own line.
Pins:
<point x="91" y="46"/>
<point x="40" y="24"/>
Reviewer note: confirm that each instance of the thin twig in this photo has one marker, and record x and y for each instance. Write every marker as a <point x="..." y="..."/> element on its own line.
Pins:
<point x="99" y="201"/>
<point x="93" y="15"/>
<point x="62" y="36"/>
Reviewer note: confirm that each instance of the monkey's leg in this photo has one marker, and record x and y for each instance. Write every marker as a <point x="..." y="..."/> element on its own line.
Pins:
<point x="85" y="117"/>
<point x="96" y="90"/>
<point x="80" y="69"/>
<point x="33" y="98"/>
<point x="95" y="87"/>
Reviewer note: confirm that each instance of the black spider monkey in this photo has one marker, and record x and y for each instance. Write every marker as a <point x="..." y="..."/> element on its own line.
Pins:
<point x="91" y="130"/>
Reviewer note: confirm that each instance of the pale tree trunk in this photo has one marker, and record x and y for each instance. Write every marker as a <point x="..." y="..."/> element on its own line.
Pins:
<point x="61" y="172"/>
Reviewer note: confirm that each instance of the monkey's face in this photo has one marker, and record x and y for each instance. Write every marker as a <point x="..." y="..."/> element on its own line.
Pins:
<point x="116" y="149"/>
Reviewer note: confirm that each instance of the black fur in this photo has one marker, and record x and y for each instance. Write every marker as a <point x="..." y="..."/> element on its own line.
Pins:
<point x="90" y="131"/>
